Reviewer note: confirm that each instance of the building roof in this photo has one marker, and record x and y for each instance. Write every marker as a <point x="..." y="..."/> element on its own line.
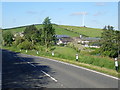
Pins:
<point x="62" y="36"/>
<point x="90" y="38"/>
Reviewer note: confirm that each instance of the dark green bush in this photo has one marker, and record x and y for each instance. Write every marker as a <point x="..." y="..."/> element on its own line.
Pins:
<point x="26" y="45"/>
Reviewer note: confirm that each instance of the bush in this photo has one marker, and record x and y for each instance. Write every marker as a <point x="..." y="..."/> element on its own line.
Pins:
<point x="18" y="40"/>
<point x="95" y="52"/>
<point x="52" y="48"/>
<point x="61" y="44"/>
<point x="8" y="38"/>
<point x="26" y="45"/>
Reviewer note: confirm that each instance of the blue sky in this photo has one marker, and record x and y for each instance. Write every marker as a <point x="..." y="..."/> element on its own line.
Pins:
<point x="97" y="14"/>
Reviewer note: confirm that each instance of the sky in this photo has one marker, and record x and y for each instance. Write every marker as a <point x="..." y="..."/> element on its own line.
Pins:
<point x="96" y="14"/>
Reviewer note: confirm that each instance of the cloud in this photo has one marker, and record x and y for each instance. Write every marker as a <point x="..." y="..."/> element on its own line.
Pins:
<point x="60" y="9"/>
<point x="79" y="13"/>
<point x="35" y="12"/>
<point x="13" y="20"/>
<point x="31" y="12"/>
<point x="99" y="13"/>
<point x="43" y="11"/>
<point x="100" y="4"/>
<point x="95" y="21"/>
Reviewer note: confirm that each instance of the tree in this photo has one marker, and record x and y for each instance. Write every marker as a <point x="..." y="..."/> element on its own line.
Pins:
<point x="18" y="40"/>
<point x="48" y="33"/>
<point x="32" y="34"/>
<point x="26" y="45"/>
<point x="118" y="42"/>
<point x="109" y="42"/>
<point x="8" y="38"/>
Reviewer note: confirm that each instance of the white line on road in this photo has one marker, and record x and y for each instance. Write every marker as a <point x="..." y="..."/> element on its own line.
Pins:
<point x="43" y="72"/>
<point x="32" y="65"/>
<point x="49" y="76"/>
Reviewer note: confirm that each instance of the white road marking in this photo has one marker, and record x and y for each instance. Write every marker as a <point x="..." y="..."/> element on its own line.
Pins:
<point x="32" y="65"/>
<point x="43" y="72"/>
<point x="49" y="76"/>
<point x="28" y="62"/>
<point x="77" y="67"/>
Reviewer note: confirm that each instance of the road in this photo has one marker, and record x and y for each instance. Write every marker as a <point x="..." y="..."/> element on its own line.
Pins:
<point x="25" y="71"/>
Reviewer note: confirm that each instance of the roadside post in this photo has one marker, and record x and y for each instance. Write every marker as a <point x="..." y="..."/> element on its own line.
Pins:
<point x="20" y="50"/>
<point x="116" y="64"/>
<point x="76" y="57"/>
<point x="52" y="53"/>
<point x="26" y="51"/>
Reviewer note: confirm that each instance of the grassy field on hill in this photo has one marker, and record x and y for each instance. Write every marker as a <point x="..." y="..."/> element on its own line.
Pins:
<point x="61" y="31"/>
<point x="91" y="32"/>
<point x="72" y="31"/>
<point x="58" y="30"/>
<point x="15" y="30"/>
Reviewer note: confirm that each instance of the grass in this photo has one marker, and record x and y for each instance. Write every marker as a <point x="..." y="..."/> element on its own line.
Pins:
<point x="69" y="53"/>
<point x="58" y="30"/>
<point x="72" y="31"/>
<point x="91" y="32"/>
<point x="14" y="30"/>
<point x="61" y="31"/>
<point x="66" y="52"/>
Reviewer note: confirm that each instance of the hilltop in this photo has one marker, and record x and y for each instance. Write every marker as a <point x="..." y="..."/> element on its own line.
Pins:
<point x="72" y="31"/>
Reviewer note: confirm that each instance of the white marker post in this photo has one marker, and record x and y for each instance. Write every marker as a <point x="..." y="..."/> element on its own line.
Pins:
<point x="26" y="51"/>
<point x="76" y="57"/>
<point x="37" y="52"/>
<point x="52" y="53"/>
<point x="116" y="64"/>
<point x="20" y="50"/>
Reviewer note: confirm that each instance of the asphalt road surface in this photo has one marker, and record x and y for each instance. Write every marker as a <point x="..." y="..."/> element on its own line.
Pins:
<point x="25" y="71"/>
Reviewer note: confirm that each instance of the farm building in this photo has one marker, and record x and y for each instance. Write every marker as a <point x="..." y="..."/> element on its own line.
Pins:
<point x="63" y="39"/>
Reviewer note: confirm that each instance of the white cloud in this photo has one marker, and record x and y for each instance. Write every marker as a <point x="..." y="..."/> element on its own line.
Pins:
<point x="100" y="4"/>
<point x="31" y="12"/>
<point x="60" y="9"/>
<point x="79" y="13"/>
<point x="99" y="13"/>
<point x="35" y="12"/>
<point x="14" y="20"/>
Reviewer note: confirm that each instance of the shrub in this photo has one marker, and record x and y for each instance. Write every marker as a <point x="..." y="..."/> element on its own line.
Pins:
<point x="95" y="52"/>
<point x="26" y="45"/>
<point x="18" y="40"/>
<point x="61" y="44"/>
<point x="8" y="38"/>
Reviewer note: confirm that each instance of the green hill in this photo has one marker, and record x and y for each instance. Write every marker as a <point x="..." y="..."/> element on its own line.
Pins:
<point x="91" y="32"/>
<point x="72" y="31"/>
